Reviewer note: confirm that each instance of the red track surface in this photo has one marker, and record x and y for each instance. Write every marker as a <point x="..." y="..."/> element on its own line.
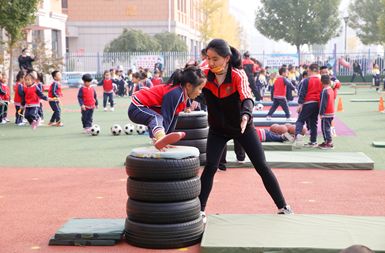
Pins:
<point x="34" y="203"/>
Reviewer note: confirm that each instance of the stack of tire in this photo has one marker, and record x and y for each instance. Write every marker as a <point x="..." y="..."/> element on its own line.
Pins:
<point x="163" y="209"/>
<point x="195" y="125"/>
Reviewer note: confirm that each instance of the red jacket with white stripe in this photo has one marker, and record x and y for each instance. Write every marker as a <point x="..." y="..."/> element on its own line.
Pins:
<point x="261" y="134"/>
<point x="228" y="102"/>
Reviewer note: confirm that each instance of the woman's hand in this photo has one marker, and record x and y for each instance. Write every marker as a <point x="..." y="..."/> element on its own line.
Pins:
<point x="244" y="120"/>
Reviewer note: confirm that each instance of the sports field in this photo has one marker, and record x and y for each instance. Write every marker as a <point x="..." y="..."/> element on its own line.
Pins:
<point x="50" y="175"/>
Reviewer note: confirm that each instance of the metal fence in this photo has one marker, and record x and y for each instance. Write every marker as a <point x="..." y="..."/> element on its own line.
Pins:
<point x="98" y="62"/>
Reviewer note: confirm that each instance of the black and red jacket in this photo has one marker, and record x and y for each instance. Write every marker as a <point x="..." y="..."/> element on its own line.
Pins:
<point x="310" y="91"/>
<point x="87" y="97"/>
<point x="280" y="87"/>
<point x="326" y="109"/>
<point x="17" y="97"/>
<point x="55" y="90"/>
<point x="5" y="95"/>
<point x="108" y="85"/>
<point x="227" y="102"/>
<point x="31" y="95"/>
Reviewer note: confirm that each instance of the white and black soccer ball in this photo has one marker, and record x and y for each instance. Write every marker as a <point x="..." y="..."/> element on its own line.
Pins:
<point x="95" y="130"/>
<point x="141" y="129"/>
<point x="129" y="129"/>
<point x="259" y="107"/>
<point x="116" y="129"/>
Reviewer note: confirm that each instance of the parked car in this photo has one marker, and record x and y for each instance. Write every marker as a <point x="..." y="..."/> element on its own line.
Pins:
<point x="74" y="79"/>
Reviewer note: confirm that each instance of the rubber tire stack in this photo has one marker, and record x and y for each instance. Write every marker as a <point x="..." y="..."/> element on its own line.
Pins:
<point x="163" y="209"/>
<point x="195" y="125"/>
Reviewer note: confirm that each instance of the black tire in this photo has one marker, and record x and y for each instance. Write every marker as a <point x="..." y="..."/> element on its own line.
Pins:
<point x="166" y="236"/>
<point x="163" y="213"/>
<point x="161" y="169"/>
<point x="165" y="191"/>
<point x="194" y="134"/>
<point x="202" y="159"/>
<point x="192" y="122"/>
<point x="199" y="144"/>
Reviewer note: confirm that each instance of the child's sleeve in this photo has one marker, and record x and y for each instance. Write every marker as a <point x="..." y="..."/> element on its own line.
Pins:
<point x="20" y="90"/>
<point x="40" y="94"/>
<point x="80" y="97"/>
<point x="323" y="103"/>
<point x="54" y="89"/>
<point x="96" y="98"/>
<point x="302" y="92"/>
<point x="2" y="92"/>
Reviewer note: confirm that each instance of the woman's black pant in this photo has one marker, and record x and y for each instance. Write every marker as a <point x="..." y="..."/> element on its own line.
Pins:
<point x="216" y="143"/>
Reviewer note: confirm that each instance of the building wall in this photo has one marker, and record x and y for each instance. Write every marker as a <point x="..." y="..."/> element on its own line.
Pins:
<point x="91" y="32"/>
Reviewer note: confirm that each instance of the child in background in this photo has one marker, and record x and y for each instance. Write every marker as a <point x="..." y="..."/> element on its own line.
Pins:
<point x="261" y="82"/>
<point x="40" y="82"/>
<point x="376" y="76"/>
<point x="54" y="93"/>
<point x="88" y="101"/>
<point x="156" y="80"/>
<point x="158" y="107"/>
<point x="120" y="82"/>
<point x="108" y="90"/>
<point x="4" y="99"/>
<point x="17" y="98"/>
<point x="146" y="82"/>
<point x="30" y="99"/>
<point x="326" y="112"/>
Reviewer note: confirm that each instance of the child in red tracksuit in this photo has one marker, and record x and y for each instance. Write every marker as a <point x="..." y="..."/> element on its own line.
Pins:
<point x="17" y="98"/>
<point x="54" y="93"/>
<point x="4" y="100"/>
<point x="88" y="101"/>
<point x="326" y="111"/>
<point x="30" y="99"/>
<point x="108" y="90"/>
<point x="159" y="106"/>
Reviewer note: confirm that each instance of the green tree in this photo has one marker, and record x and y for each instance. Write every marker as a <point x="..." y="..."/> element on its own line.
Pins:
<point x="133" y="41"/>
<point x="208" y="8"/>
<point x="298" y="22"/>
<point x="16" y="15"/>
<point x="170" y="42"/>
<point x="365" y="18"/>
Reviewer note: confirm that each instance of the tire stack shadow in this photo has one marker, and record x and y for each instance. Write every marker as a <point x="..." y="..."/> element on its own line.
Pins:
<point x="163" y="209"/>
<point x="195" y="125"/>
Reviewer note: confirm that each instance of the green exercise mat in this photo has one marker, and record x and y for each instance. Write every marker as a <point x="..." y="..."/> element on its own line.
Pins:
<point x="276" y="114"/>
<point x="177" y="152"/>
<point x="101" y="229"/>
<point x="365" y="100"/>
<point x="378" y="144"/>
<point x="297" y="233"/>
<point x="80" y="242"/>
<point x="271" y="121"/>
<point x="268" y="146"/>
<point x="312" y="160"/>
<point x="270" y="103"/>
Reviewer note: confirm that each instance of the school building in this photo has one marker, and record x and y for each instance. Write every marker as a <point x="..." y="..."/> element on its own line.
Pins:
<point x="92" y="24"/>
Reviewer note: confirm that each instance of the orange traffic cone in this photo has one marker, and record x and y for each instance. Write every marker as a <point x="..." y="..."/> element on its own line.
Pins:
<point x="381" y="105"/>
<point x="340" y="108"/>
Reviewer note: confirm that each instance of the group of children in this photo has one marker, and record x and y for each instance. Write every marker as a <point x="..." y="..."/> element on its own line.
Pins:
<point x="28" y="93"/>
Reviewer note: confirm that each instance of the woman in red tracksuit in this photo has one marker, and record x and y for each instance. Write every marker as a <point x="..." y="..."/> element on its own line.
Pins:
<point x="159" y="106"/>
<point x="230" y="105"/>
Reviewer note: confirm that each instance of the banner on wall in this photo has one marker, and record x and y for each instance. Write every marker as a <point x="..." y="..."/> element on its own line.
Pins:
<point x="277" y="60"/>
<point x="146" y="61"/>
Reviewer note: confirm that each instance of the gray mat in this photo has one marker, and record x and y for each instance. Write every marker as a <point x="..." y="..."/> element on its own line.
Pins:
<point x="312" y="160"/>
<point x="378" y="144"/>
<point x="80" y="242"/>
<point x="77" y="228"/>
<point x="268" y="146"/>
<point x="262" y="114"/>
<point x="291" y="233"/>
<point x="266" y="122"/>
<point x="270" y="103"/>
<point x="365" y="100"/>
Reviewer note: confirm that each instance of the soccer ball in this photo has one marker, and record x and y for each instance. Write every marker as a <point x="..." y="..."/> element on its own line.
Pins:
<point x="95" y="130"/>
<point x="116" y="129"/>
<point x="141" y="129"/>
<point x="129" y="129"/>
<point x="259" y="107"/>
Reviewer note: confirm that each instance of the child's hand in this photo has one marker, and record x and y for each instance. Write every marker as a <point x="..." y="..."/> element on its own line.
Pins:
<point x="83" y="107"/>
<point x="299" y="109"/>
<point x="244" y="120"/>
<point x="187" y="110"/>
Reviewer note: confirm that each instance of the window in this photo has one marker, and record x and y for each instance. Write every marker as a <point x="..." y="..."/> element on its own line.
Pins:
<point x="56" y="42"/>
<point x="64" y="4"/>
